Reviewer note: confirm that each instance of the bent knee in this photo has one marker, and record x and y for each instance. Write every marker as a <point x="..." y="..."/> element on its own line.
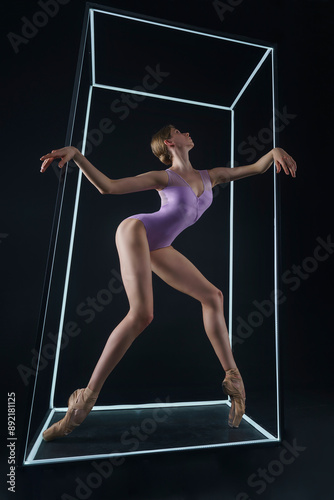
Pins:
<point x="146" y="319"/>
<point x="213" y="298"/>
<point x="142" y="319"/>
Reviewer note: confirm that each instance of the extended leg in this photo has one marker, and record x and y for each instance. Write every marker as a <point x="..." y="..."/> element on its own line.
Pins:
<point x="134" y="256"/>
<point x="136" y="272"/>
<point x="180" y="273"/>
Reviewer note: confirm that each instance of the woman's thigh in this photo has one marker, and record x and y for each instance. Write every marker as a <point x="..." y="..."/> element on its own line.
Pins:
<point x="135" y="263"/>
<point x="177" y="271"/>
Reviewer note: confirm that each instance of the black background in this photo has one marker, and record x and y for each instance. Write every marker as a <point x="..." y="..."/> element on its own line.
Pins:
<point x="36" y="97"/>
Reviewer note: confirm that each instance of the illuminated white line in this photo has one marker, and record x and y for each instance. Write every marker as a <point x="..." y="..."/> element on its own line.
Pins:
<point x="275" y="255"/>
<point x="230" y="306"/>
<point x="142" y="452"/>
<point x="45" y="314"/>
<point x="147" y="406"/>
<point x="264" y="57"/>
<point x="259" y="427"/>
<point x="92" y="39"/>
<point x="160" y="96"/>
<point x="44" y="320"/>
<point x="178" y="28"/>
<point x="48" y="293"/>
<point x="70" y="252"/>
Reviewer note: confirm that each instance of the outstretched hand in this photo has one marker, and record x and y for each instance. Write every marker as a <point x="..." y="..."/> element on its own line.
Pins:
<point x="65" y="154"/>
<point x="284" y="161"/>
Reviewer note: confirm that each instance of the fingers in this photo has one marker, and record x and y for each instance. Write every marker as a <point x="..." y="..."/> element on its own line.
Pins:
<point x="293" y="168"/>
<point x="56" y="153"/>
<point x="290" y="166"/>
<point x="46" y="163"/>
<point x="284" y="166"/>
<point x="287" y="163"/>
<point x="50" y="157"/>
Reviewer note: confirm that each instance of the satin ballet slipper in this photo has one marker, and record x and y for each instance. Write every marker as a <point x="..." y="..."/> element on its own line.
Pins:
<point x="80" y="404"/>
<point x="233" y="386"/>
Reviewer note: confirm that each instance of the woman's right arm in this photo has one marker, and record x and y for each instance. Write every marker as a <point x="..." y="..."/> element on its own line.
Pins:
<point x="105" y="185"/>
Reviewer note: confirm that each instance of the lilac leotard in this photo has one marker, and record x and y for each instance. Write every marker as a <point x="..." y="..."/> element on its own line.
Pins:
<point x="180" y="208"/>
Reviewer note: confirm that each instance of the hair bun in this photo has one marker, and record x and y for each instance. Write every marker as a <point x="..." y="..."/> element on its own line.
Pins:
<point x="165" y="159"/>
<point x="159" y="147"/>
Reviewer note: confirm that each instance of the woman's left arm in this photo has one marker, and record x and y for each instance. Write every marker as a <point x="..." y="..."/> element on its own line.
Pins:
<point x="281" y="158"/>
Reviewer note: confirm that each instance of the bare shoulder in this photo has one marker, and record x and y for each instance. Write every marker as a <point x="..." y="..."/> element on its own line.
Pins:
<point x="160" y="178"/>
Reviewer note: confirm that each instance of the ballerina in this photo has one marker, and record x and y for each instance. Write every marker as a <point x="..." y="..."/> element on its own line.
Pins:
<point x="144" y="244"/>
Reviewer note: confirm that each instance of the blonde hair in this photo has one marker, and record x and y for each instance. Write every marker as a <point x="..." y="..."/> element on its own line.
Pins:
<point x="159" y="148"/>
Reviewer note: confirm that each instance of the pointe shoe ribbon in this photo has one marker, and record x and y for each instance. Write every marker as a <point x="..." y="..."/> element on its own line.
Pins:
<point x="80" y="404"/>
<point x="233" y="386"/>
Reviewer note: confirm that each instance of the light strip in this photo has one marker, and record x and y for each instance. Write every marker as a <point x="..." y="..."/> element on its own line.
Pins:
<point x="147" y="406"/>
<point x="142" y="452"/>
<point x="177" y="28"/>
<point x="52" y="266"/>
<point x="264" y="57"/>
<point x="44" y="318"/>
<point x="230" y="305"/>
<point x="259" y="427"/>
<point x="70" y="252"/>
<point x="160" y="96"/>
<point x="275" y="255"/>
<point x="92" y="40"/>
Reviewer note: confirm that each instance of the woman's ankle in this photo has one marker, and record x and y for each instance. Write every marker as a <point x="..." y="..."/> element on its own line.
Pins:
<point x="89" y="393"/>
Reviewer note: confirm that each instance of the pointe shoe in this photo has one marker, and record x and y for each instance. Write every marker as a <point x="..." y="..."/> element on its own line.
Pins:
<point x="80" y="404"/>
<point x="233" y="386"/>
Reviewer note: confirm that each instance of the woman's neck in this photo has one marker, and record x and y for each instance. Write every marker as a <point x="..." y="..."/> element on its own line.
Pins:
<point x="181" y="162"/>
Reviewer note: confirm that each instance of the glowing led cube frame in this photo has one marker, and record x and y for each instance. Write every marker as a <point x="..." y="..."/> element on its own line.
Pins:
<point x="269" y="52"/>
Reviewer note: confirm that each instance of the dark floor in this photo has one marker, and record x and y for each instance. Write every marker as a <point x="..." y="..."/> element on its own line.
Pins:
<point x="116" y="432"/>
<point x="300" y="468"/>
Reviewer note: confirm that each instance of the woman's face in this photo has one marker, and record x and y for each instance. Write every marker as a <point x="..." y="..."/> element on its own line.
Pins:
<point x="180" y="139"/>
